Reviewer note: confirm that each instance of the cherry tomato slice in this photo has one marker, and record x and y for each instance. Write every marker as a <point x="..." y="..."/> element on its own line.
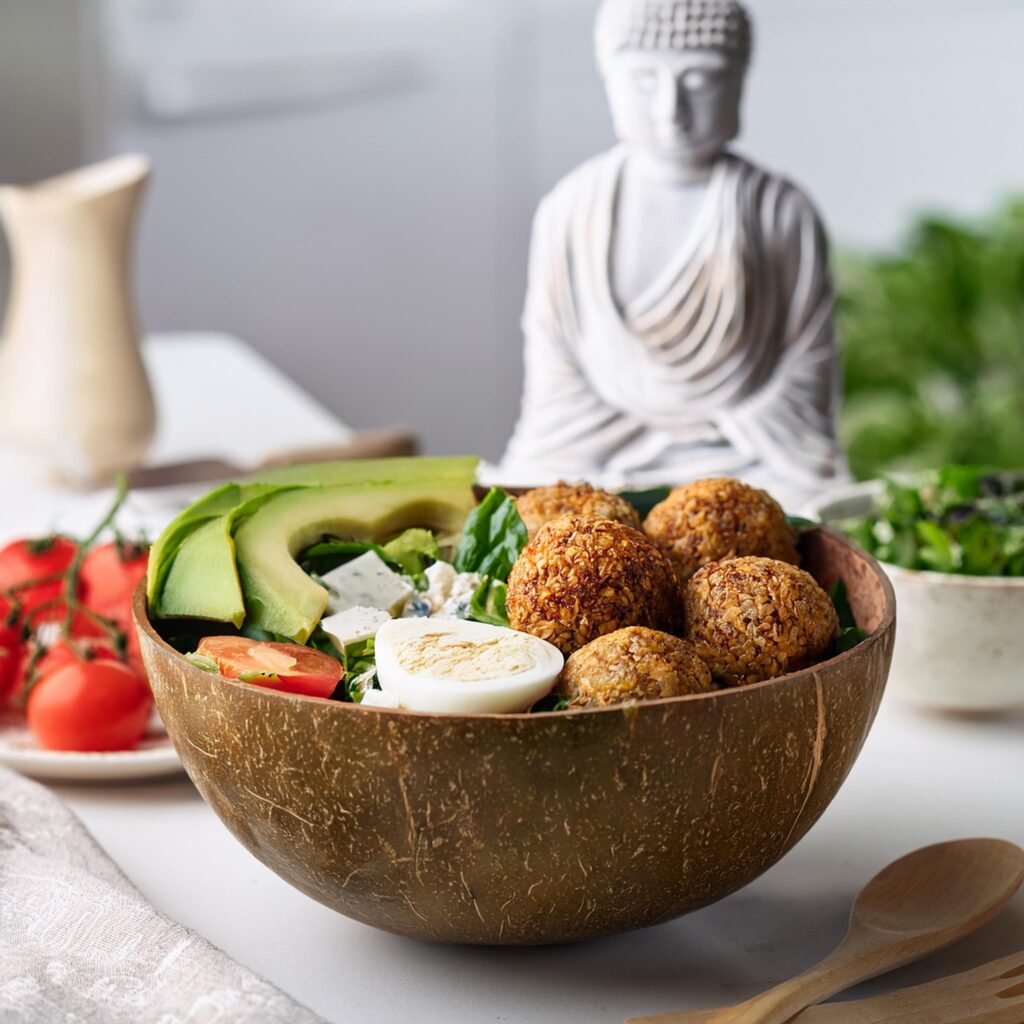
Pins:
<point x="288" y="667"/>
<point x="91" y="705"/>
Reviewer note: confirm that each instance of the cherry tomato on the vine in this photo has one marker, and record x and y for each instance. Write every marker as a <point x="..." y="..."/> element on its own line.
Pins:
<point x="110" y="573"/>
<point x="23" y="561"/>
<point x="11" y="652"/>
<point x="90" y="706"/>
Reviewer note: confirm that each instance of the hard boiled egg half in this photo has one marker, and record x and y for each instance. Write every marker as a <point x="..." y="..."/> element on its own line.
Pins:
<point x="459" y="667"/>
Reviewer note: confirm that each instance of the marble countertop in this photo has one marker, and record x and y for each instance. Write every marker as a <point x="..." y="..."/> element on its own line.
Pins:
<point x="920" y="779"/>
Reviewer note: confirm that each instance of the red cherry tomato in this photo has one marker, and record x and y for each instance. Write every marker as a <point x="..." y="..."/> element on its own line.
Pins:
<point x="92" y="705"/>
<point x="11" y="653"/>
<point x="62" y="653"/>
<point x="288" y="667"/>
<point x="110" y="574"/>
<point x="25" y="560"/>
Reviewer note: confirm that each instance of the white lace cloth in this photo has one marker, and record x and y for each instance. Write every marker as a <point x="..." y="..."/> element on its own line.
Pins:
<point x="78" y="943"/>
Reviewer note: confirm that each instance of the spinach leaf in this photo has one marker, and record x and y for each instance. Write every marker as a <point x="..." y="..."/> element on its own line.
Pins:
<point x="330" y="553"/>
<point x="488" y="603"/>
<point x="850" y="634"/>
<point x="409" y="553"/>
<point x="798" y="523"/>
<point x="644" y="501"/>
<point x="493" y="537"/>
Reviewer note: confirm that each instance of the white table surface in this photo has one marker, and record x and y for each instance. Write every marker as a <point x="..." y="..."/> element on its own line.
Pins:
<point x="920" y="779"/>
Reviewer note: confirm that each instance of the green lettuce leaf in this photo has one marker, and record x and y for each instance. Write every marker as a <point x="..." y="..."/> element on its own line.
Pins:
<point x="493" y="537"/>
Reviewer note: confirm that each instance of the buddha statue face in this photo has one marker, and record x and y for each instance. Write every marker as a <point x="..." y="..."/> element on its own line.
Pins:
<point x="674" y="72"/>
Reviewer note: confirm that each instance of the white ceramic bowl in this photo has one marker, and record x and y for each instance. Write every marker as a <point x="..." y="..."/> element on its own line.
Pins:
<point x="959" y="639"/>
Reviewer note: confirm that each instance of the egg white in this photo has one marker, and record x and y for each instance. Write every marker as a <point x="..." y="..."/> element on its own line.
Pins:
<point x="422" y="691"/>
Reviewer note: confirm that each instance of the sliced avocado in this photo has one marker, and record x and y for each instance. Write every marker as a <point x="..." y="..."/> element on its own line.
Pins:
<point x="279" y="596"/>
<point x="218" y="502"/>
<point x="201" y="580"/>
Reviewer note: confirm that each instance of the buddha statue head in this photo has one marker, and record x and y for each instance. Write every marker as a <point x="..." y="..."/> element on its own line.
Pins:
<point x="674" y="72"/>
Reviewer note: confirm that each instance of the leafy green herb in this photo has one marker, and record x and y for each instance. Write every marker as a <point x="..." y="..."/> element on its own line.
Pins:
<point x="644" y="501"/>
<point x="850" y="634"/>
<point x="359" y="660"/>
<point x="965" y="520"/>
<point x="258" y="677"/>
<point x="488" y="603"/>
<point x="799" y="524"/>
<point x="412" y="552"/>
<point x="330" y="553"/>
<point x="493" y="537"/>
<point x="204" y="663"/>
<point x="492" y="540"/>
<point x="409" y="553"/>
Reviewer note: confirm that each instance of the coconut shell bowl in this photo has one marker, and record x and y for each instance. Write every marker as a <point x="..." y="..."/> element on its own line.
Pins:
<point x="532" y="828"/>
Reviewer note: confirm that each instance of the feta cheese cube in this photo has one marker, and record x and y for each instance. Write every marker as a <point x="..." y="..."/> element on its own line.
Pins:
<point x="366" y="582"/>
<point x="354" y="625"/>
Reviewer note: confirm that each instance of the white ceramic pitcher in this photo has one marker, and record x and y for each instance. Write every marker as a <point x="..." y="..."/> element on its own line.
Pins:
<point x="74" y="395"/>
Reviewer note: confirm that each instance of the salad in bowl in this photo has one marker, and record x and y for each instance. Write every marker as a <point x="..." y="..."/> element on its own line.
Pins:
<point x="469" y="716"/>
<point x="386" y="584"/>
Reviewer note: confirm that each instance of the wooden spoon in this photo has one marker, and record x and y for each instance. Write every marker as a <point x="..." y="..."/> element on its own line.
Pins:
<point x="990" y="994"/>
<point x="918" y="904"/>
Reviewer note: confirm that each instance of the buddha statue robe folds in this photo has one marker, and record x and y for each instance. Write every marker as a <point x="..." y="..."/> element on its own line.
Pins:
<point x="720" y="360"/>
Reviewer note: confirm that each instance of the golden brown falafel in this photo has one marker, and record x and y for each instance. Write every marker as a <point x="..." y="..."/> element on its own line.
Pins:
<point x="582" y="577"/>
<point x="633" y="664"/>
<point x="752" y="619"/>
<point x="543" y="504"/>
<point x="711" y="520"/>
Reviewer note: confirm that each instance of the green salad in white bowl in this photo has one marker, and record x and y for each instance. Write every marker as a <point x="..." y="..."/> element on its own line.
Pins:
<point x="952" y="542"/>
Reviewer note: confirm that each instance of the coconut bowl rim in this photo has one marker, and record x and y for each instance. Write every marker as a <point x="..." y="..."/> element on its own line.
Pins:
<point x="140" y="614"/>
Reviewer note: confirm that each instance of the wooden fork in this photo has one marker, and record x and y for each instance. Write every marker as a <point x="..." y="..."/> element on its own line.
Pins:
<point x="990" y="994"/>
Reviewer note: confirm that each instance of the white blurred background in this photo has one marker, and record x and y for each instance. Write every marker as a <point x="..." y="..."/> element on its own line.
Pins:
<point x="348" y="184"/>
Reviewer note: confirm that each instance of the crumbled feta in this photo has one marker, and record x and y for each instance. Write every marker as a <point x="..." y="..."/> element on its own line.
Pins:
<point x="448" y="593"/>
<point x="461" y="593"/>
<point x="379" y="699"/>
<point x="366" y="582"/>
<point x="440" y="577"/>
<point x="354" y="625"/>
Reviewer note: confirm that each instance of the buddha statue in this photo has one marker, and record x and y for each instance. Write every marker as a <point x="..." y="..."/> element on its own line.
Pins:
<point x="678" y="319"/>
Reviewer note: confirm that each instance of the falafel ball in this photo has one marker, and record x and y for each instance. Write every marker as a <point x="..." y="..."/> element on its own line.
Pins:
<point x="582" y="577"/>
<point x="753" y="619"/>
<point x="711" y="520"/>
<point x="543" y="504"/>
<point x="633" y="664"/>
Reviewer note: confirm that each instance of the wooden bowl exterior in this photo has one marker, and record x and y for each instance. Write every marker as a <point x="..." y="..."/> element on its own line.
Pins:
<point x="531" y="829"/>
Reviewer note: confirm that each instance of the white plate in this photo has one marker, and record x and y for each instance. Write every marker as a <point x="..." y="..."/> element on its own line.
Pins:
<point x="155" y="757"/>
